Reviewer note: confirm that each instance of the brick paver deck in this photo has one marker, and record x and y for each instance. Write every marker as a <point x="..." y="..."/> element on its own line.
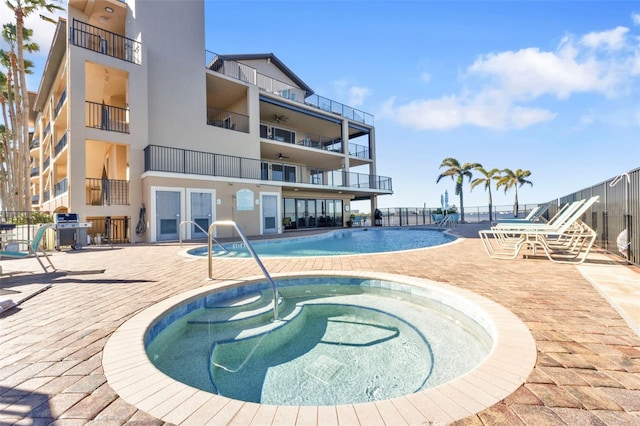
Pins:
<point x="587" y="371"/>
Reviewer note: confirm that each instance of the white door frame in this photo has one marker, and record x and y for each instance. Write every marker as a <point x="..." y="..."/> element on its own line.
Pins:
<point x="154" y="208"/>
<point x="188" y="206"/>
<point x="278" y="211"/>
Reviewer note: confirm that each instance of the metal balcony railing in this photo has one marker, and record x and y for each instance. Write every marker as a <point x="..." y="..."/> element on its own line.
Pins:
<point x="227" y="119"/>
<point x="310" y="140"/>
<point x="60" y="145"/>
<point x="105" y="42"/>
<point x="250" y="75"/>
<point x="359" y="151"/>
<point x="107" y="117"/>
<point x="178" y="160"/>
<point x="63" y="97"/>
<point x="107" y="192"/>
<point x="61" y="186"/>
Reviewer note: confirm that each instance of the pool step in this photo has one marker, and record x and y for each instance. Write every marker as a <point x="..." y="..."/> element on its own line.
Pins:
<point x="248" y="326"/>
<point x="244" y="303"/>
<point x="249" y="308"/>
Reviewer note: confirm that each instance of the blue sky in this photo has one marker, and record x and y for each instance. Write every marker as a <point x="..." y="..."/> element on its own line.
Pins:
<point x="548" y="86"/>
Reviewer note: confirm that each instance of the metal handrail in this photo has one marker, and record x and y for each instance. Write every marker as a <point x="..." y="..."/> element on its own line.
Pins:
<point x="253" y="253"/>
<point x="185" y="222"/>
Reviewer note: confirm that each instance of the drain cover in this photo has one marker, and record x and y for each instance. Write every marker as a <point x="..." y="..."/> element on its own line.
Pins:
<point x="323" y="368"/>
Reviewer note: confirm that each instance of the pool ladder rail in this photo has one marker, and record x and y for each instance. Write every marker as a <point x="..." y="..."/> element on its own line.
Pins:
<point x="186" y="222"/>
<point x="211" y="240"/>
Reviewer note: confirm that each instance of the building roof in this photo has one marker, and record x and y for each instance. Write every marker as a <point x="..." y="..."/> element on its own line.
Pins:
<point x="56" y="54"/>
<point x="268" y="56"/>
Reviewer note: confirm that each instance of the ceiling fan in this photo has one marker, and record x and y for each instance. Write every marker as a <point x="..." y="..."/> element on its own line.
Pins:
<point x="280" y="118"/>
<point x="282" y="157"/>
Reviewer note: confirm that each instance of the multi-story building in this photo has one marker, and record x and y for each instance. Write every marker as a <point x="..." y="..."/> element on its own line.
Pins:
<point x="144" y="133"/>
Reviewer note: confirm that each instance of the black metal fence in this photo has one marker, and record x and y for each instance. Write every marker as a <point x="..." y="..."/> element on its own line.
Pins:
<point x="109" y="230"/>
<point x="412" y="216"/>
<point x="616" y="217"/>
<point x="27" y="222"/>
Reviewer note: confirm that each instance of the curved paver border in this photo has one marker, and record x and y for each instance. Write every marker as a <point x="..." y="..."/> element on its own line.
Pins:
<point x="132" y="375"/>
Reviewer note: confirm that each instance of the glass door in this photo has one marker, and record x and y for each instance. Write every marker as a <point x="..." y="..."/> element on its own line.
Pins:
<point x="167" y="215"/>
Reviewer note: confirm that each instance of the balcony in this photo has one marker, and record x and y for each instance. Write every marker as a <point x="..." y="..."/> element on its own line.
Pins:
<point x="46" y="195"/>
<point x="35" y="199"/>
<point x="104" y="42"/>
<point x="61" y="187"/>
<point x="227" y="119"/>
<point x="60" y="145"/>
<point x="35" y="144"/>
<point x="63" y="98"/>
<point x="107" y="192"/>
<point x="359" y="151"/>
<point x="309" y="140"/>
<point x="45" y="164"/>
<point x="250" y="75"/>
<point x="178" y="160"/>
<point x="47" y="130"/>
<point x="35" y="171"/>
<point x="107" y="117"/>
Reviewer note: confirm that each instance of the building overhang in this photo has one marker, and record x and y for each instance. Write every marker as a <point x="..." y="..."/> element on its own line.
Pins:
<point x="56" y="55"/>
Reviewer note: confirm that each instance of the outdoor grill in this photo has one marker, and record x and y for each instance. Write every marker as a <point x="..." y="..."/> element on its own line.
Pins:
<point x="70" y="231"/>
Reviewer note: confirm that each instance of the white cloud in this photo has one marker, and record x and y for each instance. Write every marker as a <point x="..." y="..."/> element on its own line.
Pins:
<point x="635" y="18"/>
<point x="487" y="110"/>
<point x="504" y="83"/>
<point x="426" y="77"/>
<point x="530" y="73"/>
<point x="613" y="39"/>
<point x="357" y="95"/>
<point x="521" y="117"/>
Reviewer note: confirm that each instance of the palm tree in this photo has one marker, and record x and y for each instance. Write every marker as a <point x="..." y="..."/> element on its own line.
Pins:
<point x="512" y="179"/>
<point x="21" y="10"/>
<point x="486" y="181"/>
<point x="17" y="163"/>
<point x="458" y="173"/>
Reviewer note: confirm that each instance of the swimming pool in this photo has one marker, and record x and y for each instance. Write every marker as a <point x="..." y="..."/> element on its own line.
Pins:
<point x="133" y="376"/>
<point x="339" y="340"/>
<point x="338" y="243"/>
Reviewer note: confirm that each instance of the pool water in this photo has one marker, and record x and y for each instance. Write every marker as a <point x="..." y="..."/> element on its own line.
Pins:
<point x="340" y="242"/>
<point x="338" y="340"/>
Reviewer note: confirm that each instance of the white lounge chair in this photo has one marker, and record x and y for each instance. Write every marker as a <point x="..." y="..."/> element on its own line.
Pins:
<point x="535" y="215"/>
<point x="568" y="240"/>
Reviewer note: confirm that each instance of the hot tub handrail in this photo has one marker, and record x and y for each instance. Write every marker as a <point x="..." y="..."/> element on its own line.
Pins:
<point x="184" y="222"/>
<point x="253" y="254"/>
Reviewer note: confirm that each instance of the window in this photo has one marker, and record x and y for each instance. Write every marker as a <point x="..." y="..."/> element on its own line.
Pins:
<point x="289" y="173"/>
<point x="277" y="172"/>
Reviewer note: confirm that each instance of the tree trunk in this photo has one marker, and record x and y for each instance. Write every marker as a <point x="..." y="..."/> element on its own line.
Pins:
<point x="490" y="206"/>
<point x="24" y="93"/>
<point x="515" y="204"/>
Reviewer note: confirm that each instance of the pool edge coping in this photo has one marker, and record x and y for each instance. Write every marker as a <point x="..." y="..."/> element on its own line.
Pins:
<point x="456" y="239"/>
<point x="132" y="375"/>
